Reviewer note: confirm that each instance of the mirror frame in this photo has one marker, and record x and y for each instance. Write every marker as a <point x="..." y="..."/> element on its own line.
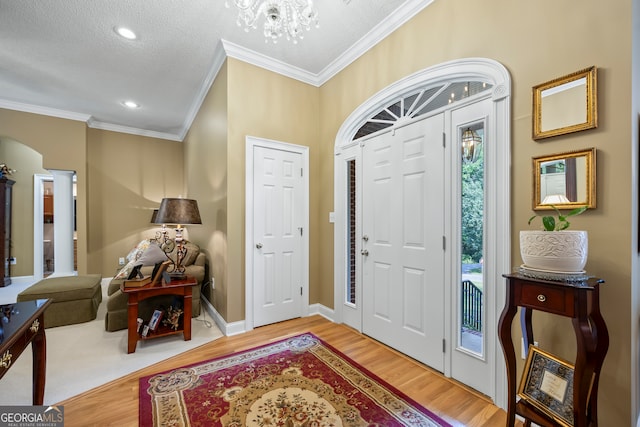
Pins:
<point x="590" y="178"/>
<point x="591" y="104"/>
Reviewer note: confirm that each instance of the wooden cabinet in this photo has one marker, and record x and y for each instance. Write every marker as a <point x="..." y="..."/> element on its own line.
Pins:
<point x="6" y="190"/>
<point x="48" y="208"/>
<point x="580" y="302"/>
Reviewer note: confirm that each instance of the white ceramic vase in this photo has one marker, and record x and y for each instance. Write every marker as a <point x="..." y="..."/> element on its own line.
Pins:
<point x="561" y="251"/>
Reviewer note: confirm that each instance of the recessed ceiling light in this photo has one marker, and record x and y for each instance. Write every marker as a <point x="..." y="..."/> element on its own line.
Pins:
<point x="131" y="104"/>
<point x="126" y="33"/>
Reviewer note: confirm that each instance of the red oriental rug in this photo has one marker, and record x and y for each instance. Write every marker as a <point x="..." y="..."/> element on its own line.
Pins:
<point x="297" y="382"/>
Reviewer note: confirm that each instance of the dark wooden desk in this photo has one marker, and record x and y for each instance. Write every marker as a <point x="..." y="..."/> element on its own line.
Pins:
<point x="21" y="324"/>
<point x="181" y="287"/>
<point x="580" y="302"/>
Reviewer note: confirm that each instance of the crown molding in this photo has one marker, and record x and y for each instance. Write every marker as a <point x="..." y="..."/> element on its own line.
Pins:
<point x="94" y="124"/>
<point x="259" y="60"/>
<point x="219" y="57"/>
<point x="378" y="33"/>
<point x="404" y="13"/>
<point x="44" y="111"/>
<point x="228" y="49"/>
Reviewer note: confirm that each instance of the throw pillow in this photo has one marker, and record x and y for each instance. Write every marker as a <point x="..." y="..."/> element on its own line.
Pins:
<point x="192" y="253"/>
<point x="137" y="251"/>
<point x="132" y="257"/>
<point x="124" y="272"/>
<point x="151" y="255"/>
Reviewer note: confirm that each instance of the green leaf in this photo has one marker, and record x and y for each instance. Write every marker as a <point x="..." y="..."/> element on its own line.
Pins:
<point x="549" y="223"/>
<point x="577" y="211"/>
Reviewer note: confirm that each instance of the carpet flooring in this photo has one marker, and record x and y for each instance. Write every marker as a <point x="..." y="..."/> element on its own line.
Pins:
<point x="83" y="356"/>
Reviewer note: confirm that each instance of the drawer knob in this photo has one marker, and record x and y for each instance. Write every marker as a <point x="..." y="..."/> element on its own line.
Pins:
<point x="542" y="298"/>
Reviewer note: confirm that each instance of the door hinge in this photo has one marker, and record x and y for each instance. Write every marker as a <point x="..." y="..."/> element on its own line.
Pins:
<point x="444" y="140"/>
<point x="301" y="172"/>
<point x="444" y="243"/>
<point x="444" y="345"/>
<point x="300" y="228"/>
<point x="300" y="290"/>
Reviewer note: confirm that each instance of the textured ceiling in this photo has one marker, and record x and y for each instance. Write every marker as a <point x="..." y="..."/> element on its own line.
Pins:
<point x="63" y="58"/>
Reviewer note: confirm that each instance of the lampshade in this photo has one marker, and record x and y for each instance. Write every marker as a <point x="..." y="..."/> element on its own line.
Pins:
<point x="153" y="216"/>
<point x="178" y="211"/>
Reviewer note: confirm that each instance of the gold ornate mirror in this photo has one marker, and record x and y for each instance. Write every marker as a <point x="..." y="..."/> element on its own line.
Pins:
<point x="566" y="104"/>
<point x="565" y="180"/>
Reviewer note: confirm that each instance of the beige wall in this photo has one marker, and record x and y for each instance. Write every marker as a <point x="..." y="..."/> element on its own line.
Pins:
<point x="62" y="144"/>
<point x="121" y="178"/>
<point x="544" y="46"/>
<point x="207" y="177"/>
<point x="128" y="176"/>
<point x="258" y="103"/>
<point x="27" y="162"/>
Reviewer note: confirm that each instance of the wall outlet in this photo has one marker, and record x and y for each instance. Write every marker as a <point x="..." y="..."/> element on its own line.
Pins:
<point x="13" y="260"/>
<point x="121" y="260"/>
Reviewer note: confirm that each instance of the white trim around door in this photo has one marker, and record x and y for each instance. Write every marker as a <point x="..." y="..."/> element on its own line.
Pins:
<point x="251" y="143"/>
<point x="497" y="193"/>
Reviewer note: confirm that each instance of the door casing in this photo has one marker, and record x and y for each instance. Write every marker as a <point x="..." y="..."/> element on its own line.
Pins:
<point x="497" y="181"/>
<point x="251" y="142"/>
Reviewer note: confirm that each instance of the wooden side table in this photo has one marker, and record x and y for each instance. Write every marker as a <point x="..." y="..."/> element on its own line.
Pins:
<point x="182" y="287"/>
<point x="23" y="324"/>
<point x="580" y="302"/>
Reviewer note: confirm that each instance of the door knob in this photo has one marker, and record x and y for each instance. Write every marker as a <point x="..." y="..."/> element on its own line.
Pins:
<point x="364" y="252"/>
<point x="259" y="245"/>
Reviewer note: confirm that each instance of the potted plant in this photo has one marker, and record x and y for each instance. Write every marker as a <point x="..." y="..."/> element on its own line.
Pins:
<point x="555" y="247"/>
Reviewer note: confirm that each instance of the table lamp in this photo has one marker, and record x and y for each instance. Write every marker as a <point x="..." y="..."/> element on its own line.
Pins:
<point x="178" y="212"/>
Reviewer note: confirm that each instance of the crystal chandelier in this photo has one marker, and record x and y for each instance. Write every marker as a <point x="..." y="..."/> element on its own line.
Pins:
<point x="281" y="17"/>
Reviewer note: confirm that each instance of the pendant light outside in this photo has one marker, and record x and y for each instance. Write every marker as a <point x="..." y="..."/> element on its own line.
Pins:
<point x="470" y="145"/>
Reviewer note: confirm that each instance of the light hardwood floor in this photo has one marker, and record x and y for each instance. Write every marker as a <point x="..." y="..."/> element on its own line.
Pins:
<point x="116" y="403"/>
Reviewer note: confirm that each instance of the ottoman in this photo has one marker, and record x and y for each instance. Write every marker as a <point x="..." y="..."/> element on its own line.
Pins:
<point x="75" y="299"/>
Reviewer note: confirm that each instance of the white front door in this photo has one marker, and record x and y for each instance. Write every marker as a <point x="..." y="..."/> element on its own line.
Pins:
<point x="402" y="249"/>
<point x="278" y="229"/>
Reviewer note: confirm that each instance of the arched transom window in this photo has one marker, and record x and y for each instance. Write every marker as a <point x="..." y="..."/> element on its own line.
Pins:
<point x="419" y="103"/>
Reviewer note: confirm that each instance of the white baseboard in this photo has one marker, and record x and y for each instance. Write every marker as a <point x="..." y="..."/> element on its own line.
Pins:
<point x="236" y="328"/>
<point x="322" y="310"/>
<point x="228" y="329"/>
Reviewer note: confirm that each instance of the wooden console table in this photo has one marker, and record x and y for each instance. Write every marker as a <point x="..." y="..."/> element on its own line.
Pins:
<point x="580" y="302"/>
<point x="181" y="287"/>
<point x="22" y="323"/>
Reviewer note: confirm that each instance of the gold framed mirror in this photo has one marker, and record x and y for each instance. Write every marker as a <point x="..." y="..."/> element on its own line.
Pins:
<point x="565" y="180"/>
<point x="566" y="104"/>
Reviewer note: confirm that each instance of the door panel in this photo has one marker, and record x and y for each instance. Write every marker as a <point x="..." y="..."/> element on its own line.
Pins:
<point x="278" y="205"/>
<point x="403" y="272"/>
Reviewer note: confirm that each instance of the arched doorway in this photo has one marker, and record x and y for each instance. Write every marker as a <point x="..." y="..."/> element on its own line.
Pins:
<point x="36" y="243"/>
<point x="399" y="107"/>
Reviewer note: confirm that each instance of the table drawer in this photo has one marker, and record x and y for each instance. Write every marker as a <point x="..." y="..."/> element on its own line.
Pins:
<point x="545" y="298"/>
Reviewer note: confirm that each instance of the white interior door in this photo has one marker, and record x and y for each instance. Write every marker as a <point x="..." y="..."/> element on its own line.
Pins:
<point x="402" y="248"/>
<point x="278" y="228"/>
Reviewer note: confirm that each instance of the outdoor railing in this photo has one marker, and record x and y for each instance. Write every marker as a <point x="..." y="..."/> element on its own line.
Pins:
<point x="471" y="306"/>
